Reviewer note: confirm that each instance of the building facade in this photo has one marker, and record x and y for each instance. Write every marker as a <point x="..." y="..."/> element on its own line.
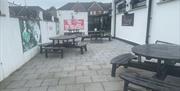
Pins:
<point x="91" y="13"/>
<point x="145" y="21"/>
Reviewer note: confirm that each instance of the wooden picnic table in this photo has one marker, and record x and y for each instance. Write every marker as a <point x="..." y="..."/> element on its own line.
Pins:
<point x="167" y="56"/>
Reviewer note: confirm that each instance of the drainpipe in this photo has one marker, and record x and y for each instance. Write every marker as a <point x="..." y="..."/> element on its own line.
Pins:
<point x="148" y="21"/>
<point x="114" y="19"/>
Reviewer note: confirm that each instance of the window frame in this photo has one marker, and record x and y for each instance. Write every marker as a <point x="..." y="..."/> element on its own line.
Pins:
<point x="137" y="3"/>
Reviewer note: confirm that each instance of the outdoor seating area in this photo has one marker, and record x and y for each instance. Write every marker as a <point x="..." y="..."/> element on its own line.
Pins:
<point x="93" y="71"/>
<point x="75" y="72"/>
<point x="101" y="45"/>
<point x="167" y="58"/>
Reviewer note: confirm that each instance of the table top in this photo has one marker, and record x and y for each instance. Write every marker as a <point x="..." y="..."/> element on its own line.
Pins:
<point x="63" y="37"/>
<point x="158" y="51"/>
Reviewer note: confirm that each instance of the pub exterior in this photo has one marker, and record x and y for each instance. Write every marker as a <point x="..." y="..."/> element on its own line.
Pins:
<point x="146" y="21"/>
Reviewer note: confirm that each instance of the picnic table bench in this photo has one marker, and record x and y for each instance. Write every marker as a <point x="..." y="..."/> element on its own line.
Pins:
<point x="81" y="45"/>
<point x="53" y="49"/>
<point x="42" y="45"/>
<point x="96" y="35"/>
<point x="147" y="82"/>
<point x="121" y="60"/>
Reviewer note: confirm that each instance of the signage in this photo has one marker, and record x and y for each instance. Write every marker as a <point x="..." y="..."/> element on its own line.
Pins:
<point x="74" y="24"/>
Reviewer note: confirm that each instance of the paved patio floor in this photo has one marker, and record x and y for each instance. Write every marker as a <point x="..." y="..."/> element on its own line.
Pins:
<point x="75" y="72"/>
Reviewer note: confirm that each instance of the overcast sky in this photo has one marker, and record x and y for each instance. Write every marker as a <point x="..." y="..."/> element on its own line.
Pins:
<point x="48" y="3"/>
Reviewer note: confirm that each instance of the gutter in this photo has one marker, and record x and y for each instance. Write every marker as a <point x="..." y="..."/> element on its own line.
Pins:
<point x="148" y="21"/>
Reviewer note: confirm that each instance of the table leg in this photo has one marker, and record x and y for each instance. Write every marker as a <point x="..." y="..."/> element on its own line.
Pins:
<point x="139" y="59"/>
<point x="58" y="42"/>
<point x="73" y="41"/>
<point x="53" y="42"/>
<point x="158" y="68"/>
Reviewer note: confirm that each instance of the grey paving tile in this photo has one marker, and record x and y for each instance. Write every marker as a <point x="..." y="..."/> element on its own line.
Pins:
<point x="83" y="79"/>
<point x="21" y="89"/>
<point x="4" y="84"/>
<point x="67" y="80"/>
<point x="75" y="88"/>
<point x="57" y="88"/>
<point x="46" y="76"/>
<point x="89" y="73"/>
<point x="39" y="89"/>
<point x="50" y="82"/>
<point x="94" y="87"/>
<point x="94" y="67"/>
<point x="99" y="78"/>
<point x="33" y="83"/>
<point x="81" y="68"/>
<point x="74" y="73"/>
<point x="17" y="84"/>
<point x="113" y="86"/>
<point x="6" y="89"/>
<point x="31" y="76"/>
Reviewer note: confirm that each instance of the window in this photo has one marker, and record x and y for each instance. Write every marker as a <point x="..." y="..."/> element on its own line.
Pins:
<point x="99" y="12"/>
<point x="94" y="13"/>
<point x="91" y="13"/>
<point x="121" y="7"/>
<point x="137" y="3"/>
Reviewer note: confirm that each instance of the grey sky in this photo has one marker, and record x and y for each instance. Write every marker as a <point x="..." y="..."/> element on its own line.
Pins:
<point x="48" y="3"/>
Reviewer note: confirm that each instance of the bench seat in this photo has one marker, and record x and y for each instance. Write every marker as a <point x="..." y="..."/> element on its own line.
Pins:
<point x="52" y="49"/>
<point x="95" y="36"/>
<point x="82" y="46"/>
<point x="121" y="60"/>
<point x="147" y="82"/>
<point x="42" y="45"/>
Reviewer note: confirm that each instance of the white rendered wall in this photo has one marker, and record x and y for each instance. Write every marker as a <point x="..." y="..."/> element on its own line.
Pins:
<point x="48" y="29"/>
<point x="136" y="33"/>
<point x="67" y="14"/>
<point x="11" y="51"/>
<point x="11" y="46"/>
<point x="166" y="22"/>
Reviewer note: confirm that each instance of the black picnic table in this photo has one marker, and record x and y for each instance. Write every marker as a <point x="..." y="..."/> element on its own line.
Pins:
<point x="67" y="43"/>
<point x="96" y="34"/>
<point x="167" y="56"/>
<point x="64" y="38"/>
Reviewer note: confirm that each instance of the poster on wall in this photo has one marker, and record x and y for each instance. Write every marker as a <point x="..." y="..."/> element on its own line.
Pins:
<point x="128" y="20"/>
<point x="74" y="24"/>
<point x="30" y="33"/>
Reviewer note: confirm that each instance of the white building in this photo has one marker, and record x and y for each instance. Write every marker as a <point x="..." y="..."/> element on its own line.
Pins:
<point x="148" y="21"/>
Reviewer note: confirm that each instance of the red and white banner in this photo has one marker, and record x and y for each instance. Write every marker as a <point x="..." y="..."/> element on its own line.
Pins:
<point x="74" y="24"/>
